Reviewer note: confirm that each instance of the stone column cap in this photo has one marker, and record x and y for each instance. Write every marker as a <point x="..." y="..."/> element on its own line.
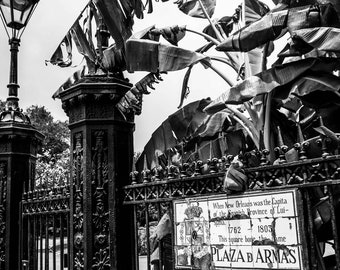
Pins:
<point x="94" y="84"/>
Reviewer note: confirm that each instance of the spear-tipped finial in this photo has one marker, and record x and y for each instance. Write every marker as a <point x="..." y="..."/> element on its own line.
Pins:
<point x="262" y="150"/>
<point x="301" y="145"/>
<point x="282" y="148"/>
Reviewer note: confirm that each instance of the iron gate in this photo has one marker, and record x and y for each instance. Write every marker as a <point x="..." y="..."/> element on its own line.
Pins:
<point x="45" y="233"/>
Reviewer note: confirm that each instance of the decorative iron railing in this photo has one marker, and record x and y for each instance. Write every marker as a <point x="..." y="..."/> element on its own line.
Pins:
<point x="152" y="193"/>
<point x="174" y="183"/>
<point x="45" y="227"/>
<point x="45" y="201"/>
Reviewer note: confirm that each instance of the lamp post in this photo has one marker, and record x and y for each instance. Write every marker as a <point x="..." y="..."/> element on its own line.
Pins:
<point x="15" y="15"/>
<point x="19" y="142"/>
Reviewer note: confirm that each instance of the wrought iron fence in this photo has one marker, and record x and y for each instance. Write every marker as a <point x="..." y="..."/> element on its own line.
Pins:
<point x="46" y="230"/>
<point x="317" y="181"/>
<point x="45" y="223"/>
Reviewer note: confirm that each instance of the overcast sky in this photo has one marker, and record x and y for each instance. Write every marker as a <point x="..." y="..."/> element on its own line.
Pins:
<point x="50" y="23"/>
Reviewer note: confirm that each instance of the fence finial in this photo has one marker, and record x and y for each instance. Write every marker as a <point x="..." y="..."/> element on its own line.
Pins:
<point x="301" y="145"/>
<point x="146" y="171"/>
<point x="282" y="148"/>
<point x="262" y="150"/>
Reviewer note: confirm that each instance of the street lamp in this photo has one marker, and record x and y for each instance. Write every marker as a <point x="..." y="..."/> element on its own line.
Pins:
<point x="15" y="15"/>
<point x="19" y="144"/>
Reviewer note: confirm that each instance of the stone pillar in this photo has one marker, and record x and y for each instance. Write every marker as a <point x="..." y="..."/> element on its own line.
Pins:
<point x="19" y="143"/>
<point x="102" y="153"/>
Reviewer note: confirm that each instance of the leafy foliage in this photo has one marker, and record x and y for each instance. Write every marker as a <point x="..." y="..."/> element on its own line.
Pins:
<point x="52" y="168"/>
<point x="299" y="88"/>
<point x="56" y="132"/>
<point x="54" y="172"/>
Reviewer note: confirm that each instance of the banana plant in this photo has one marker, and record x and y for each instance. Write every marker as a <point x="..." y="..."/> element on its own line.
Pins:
<point x="303" y="73"/>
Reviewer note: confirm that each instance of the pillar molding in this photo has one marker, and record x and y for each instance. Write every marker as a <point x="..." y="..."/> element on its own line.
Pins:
<point x="101" y="159"/>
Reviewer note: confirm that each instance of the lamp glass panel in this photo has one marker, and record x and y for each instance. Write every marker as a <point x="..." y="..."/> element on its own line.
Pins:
<point x="17" y="17"/>
<point x="20" y="16"/>
<point x="6" y="11"/>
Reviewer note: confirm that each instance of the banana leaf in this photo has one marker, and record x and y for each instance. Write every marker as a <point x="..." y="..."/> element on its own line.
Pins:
<point x="213" y="124"/>
<point x="185" y="121"/>
<point x="193" y="7"/>
<point x="178" y="126"/>
<point x="113" y="60"/>
<point x="270" y="79"/>
<point x="254" y="60"/>
<point x="226" y="24"/>
<point x="118" y="24"/>
<point x="60" y="57"/>
<point x="314" y="90"/>
<point x="185" y="88"/>
<point x="254" y="10"/>
<point x="299" y="3"/>
<point x="75" y="78"/>
<point x="256" y="34"/>
<point x="173" y="34"/>
<point x="132" y="100"/>
<point x="321" y="38"/>
<point x="272" y="24"/>
<point x="152" y="56"/>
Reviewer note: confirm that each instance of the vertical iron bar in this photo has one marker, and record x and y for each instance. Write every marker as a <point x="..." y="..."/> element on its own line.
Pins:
<point x="61" y="226"/>
<point x="160" y="244"/>
<point x="147" y="227"/>
<point x="35" y="242"/>
<point x="311" y="231"/>
<point x="319" y="254"/>
<point x="46" y="244"/>
<point x="136" y="235"/>
<point x="171" y="213"/>
<point x="21" y="237"/>
<point x="68" y="240"/>
<point x="334" y="225"/>
<point x="54" y="244"/>
<point x="41" y="243"/>
<point x="30" y="236"/>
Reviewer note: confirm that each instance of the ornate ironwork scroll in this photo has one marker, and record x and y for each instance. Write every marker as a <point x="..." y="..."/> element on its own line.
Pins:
<point x="101" y="258"/>
<point x="78" y="216"/>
